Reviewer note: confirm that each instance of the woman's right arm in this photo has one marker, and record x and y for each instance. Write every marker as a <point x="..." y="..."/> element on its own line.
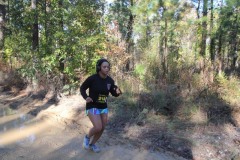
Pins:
<point x="83" y="88"/>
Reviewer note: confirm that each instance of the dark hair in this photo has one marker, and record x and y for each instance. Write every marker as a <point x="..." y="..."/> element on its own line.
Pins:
<point x="99" y="63"/>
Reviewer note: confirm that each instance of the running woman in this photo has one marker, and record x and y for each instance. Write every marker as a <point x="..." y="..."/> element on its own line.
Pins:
<point x="99" y="85"/>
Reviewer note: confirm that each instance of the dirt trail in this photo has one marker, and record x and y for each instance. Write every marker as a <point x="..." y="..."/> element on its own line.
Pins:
<point x="57" y="133"/>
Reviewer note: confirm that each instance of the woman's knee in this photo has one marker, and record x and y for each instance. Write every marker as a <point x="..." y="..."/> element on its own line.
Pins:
<point x="98" y="128"/>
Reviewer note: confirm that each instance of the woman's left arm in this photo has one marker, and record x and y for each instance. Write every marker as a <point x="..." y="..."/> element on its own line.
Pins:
<point x="115" y="90"/>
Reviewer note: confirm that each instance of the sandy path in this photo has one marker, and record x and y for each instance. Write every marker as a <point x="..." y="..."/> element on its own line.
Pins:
<point x="52" y="136"/>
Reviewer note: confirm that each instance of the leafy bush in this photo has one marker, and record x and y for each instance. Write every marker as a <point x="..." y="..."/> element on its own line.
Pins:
<point x="229" y="89"/>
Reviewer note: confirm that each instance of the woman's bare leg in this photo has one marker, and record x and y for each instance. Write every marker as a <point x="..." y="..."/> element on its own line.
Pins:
<point x="104" y="119"/>
<point x="97" y="124"/>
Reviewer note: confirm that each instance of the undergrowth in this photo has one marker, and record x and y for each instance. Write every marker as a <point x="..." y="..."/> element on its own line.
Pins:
<point x="191" y="100"/>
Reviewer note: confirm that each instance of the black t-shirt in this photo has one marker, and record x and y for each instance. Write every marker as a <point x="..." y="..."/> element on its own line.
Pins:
<point x="99" y="89"/>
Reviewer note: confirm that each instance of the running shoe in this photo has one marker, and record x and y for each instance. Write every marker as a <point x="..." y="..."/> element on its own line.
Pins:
<point x="86" y="141"/>
<point x="94" y="148"/>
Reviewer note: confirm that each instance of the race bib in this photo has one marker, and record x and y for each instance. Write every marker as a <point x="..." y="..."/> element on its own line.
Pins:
<point x="102" y="98"/>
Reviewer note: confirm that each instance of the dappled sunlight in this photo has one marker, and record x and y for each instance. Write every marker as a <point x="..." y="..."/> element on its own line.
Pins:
<point x="151" y="117"/>
<point x="49" y="135"/>
<point x="19" y="96"/>
<point x="36" y="102"/>
<point x="122" y="153"/>
<point x="132" y="132"/>
<point x="12" y="117"/>
<point x="199" y="117"/>
<point x="15" y="135"/>
<point x="230" y="130"/>
<point x="209" y="149"/>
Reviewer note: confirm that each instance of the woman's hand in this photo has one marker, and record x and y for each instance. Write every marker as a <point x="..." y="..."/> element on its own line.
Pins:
<point x="89" y="99"/>
<point x="118" y="91"/>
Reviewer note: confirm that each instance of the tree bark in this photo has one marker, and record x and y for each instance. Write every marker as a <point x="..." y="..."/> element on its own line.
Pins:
<point x="234" y="43"/>
<point x="61" y="63"/>
<point x="165" y="52"/>
<point x="2" y="27"/>
<point x="198" y="7"/>
<point x="212" y="39"/>
<point x="48" y="25"/>
<point x="35" y="38"/>
<point x="204" y="29"/>
<point x="219" y="50"/>
<point x="130" y="61"/>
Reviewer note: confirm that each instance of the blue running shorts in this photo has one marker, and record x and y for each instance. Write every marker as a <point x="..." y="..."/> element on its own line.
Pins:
<point x="95" y="111"/>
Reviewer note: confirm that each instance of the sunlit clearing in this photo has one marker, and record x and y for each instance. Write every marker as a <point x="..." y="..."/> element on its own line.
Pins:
<point x="18" y="134"/>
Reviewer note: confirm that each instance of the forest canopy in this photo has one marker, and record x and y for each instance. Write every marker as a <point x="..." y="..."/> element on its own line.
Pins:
<point x="163" y="38"/>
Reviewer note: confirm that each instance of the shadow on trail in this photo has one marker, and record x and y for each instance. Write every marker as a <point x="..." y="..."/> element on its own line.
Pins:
<point x="28" y="101"/>
<point x="218" y="111"/>
<point x="38" y="109"/>
<point x="11" y="118"/>
<point x="158" y="137"/>
<point x="171" y="135"/>
<point x="72" y="149"/>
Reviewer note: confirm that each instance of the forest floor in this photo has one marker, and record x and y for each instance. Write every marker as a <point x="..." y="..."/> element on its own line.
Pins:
<point x="33" y="127"/>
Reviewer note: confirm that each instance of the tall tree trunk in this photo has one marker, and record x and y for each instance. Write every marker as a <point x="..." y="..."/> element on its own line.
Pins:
<point x="212" y="46"/>
<point x="61" y="63"/>
<point x="160" y="47"/>
<point x="234" y="43"/>
<point x="165" y="52"/>
<point x="61" y="60"/>
<point x="212" y="39"/>
<point x="2" y="27"/>
<point x="35" y="41"/>
<point x="198" y="43"/>
<point x="48" y="25"/>
<point x="130" y="28"/>
<point x="198" y="7"/>
<point x="219" y="57"/>
<point x="219" y="50"/>
<point x="129" y="41"/>
<point x="204" y="29"/>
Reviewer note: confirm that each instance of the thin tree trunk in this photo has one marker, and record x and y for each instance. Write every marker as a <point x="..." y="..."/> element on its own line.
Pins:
<point x="160" y="41"/>
<point x="130" y="28"/>
<point x="160" y="45"/>
<point x="212" y="46"/>
<point x="129" y="41"/>
<point x="219" y="52"/>
<point x="61" y="60"/>
<point x="198" y="43"/>
<point x="204" y="29"/>
<point x="198" y="7"/>
<point x="61" y="63"/>
<point x="2" y="27"/>
<point x="48" y="25"/>
<point x="219" y="55"/>
<point x="35" y="42"/>
<point x="234" y="44"/>
<point x="165" y="53"/>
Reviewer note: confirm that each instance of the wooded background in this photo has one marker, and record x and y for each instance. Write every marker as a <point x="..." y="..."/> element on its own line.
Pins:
<point x="176" y="61"/>
<point x="157" y="41"/>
